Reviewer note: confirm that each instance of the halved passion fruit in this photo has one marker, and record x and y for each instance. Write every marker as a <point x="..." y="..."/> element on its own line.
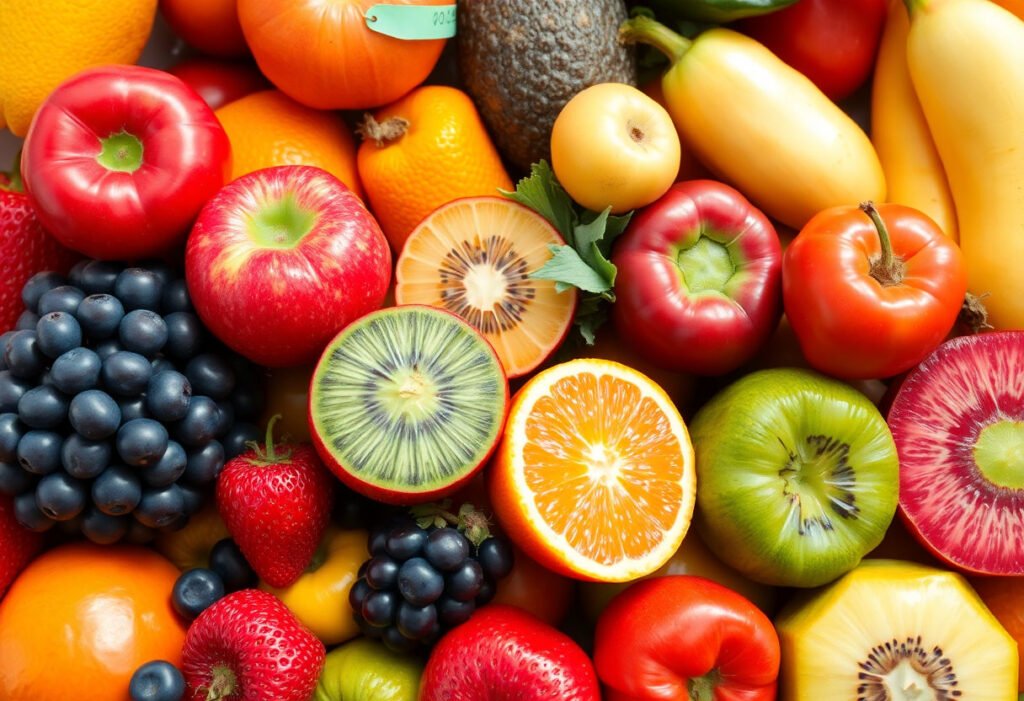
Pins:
<point x="474" y="257"/>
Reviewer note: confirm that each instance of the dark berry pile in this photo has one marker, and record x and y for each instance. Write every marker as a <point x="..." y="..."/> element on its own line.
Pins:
<point x="117" y="409"/>
<point x="426" y="576"/>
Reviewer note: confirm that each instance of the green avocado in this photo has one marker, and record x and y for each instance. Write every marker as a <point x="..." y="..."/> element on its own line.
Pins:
<point x="522" y="61"/>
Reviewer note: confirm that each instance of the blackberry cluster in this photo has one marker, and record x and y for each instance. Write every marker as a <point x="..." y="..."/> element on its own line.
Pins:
<point x="421" y="582"/>
<point x="116" y="408"/>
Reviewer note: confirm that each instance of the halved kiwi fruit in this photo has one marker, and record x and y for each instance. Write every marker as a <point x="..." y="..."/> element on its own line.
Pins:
<point x="407" y="403"/>
<point x="474" y="257"/>
<point x="895" y="631"/>
<point x="958" y="423"/>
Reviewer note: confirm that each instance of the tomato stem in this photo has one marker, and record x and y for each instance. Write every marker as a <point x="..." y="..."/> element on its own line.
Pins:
<point x="649" y="31"/>
<point x="887" y="269"/>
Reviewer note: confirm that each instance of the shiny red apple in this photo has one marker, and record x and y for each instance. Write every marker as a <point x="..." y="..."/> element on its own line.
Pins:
<point x="281" y="259"/>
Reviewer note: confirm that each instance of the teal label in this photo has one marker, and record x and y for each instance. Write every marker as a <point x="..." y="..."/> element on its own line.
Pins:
<point x="412" y="21"/>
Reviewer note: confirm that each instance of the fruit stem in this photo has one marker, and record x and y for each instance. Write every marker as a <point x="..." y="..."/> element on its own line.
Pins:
<point x="914" y="5"/>
<point x="222" y="683"/>
<point x="888" y="269"/>
<point x="973" y="313"/>
<point x="649" y="31"/>
<point x="267" y="454"/>
<point x="470" y="521"/>
<point x="382" y="132"/>
<point x="703" y="688"/>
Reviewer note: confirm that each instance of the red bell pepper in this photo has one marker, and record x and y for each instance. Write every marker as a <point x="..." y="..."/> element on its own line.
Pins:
<point x="119" y="159"/>
<point x="685" y="638"/>
<point x="698" y="284"/>
<point x="870" y="291"/>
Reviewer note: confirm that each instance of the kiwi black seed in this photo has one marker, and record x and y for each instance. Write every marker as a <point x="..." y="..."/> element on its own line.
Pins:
<point x="406" y="403"/>
<point x="497" y="255"/>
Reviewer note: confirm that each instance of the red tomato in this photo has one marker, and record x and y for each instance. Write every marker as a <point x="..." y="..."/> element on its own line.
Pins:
<point x="832" y="42"/>
<point x="220" y="82"/>
<point x="211" y="26"/>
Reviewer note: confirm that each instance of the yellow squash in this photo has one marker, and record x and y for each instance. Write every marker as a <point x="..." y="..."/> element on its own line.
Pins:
<point x="966" y="59"/>
<point x="913" y="169"/>
<point x="761" y="125"/>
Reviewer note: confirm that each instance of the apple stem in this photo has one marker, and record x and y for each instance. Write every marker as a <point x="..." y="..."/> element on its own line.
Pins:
<point x="647" y="30"/>
<point x="703" y="688"/>
<point x="222" y="683"/>
<point x="267" y="454"/>
<point x="888" y="269"/>
<point x="382" y="132"/>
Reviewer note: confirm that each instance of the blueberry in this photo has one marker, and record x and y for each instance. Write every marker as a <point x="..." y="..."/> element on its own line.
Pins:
<point x="248" y="399"/>
<point x="452" y="612"/>
<point x="168" y="468"/>
<point x="357" y="595"/>
<point x="76" y="371"/>
<point x="495" y="556"/>
<point x="98" y="276"/>
<point x="160" y="507"/>
<point x="199" y="425"/>
<point x="175" y="297"/>
<point x="379" y="608"/>
<point x="38" y="285"/>
<point x="237" y="437"/>
<point x="168" y="395"/>
<point x="419" y="583"/>
<point x="75" y="274"/>
<point x="396" y="642"/>
<point x="133" y="408"/>
<point x="39" y="452"/>
<point x="105" y="349"/>
<point x="406" y="541"/>
<point x="117" y="491"/>
<point x="57" y="333"/>
<point x="192" y="496"/>
<point x="164" y="273"/>
<point x="212" y="375"/>
<point x="446" y="548"/>
<point x="416" y="622"/>
<point x="60" y="299"/>
<point x="27" y="321"/>
<point x="464" y="583"/>
<point x="94" y="414"/>
<point x="11" y="391"/>
<point x="139" y="534"/>
<point x="61" y="497"/>
<point x="227" y="560"/>
<point x="100" y="316"/>
<point x="5" y="338"/>
<point x="102" y="528"/>
<point x="27" y="513"/>
<point x="487" y="592"/>
<point x="143" y="331"/>
<point x="139" y="288"/>
<point x="157" y="681"/>
<point x="43" y="407"/>
<point x="226" y="417"/>
<point x="11" y="431"/>
<point x="14" y="480"/>
<point x="377" y="542"/>
<point x="141" y="442"/>
<point x="382" y="572"/>
<point x="195" y="591"/>
<point x="83" y="458"/>
<point x="184" y="335"/>
<point x="161" y="364"/>
<point x="126" y="374"/>
<point x="23" y="357"/>
<point x="204" y="464"/>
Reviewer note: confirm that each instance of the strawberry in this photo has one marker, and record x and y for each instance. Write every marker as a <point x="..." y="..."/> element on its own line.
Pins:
<point x="26" y="249"/>
<point x="249" y="647"/>
<point x="18" y="545"/>
<point x="276" y="502"/>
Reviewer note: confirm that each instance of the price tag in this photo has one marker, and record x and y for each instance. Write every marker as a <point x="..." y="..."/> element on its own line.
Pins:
<point x="412" y="21"/>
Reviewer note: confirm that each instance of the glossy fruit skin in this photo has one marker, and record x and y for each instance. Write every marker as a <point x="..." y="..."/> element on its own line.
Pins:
<point x="331" y="59"/>
<point x="839" y="310"/>
<point x="208" y="25"/>
<point x="319" y="597"/>
<point x="717" y="327"/>
<point x="536" y="590"/>
<point x="276" y="503"/>
<point x="190" y="546"/>
<point x="1002" y="596"/>
<point x="613" y="146"/>
<point x="365" y="670"/>
<point x="157" y="681"/>
<point x="832" y="42"/>
<point x="288" y="396"/>
<point x="118" y="214"/>
<point x="26" y="249"/>
<point x="280" y="306"/>
<point x="219" y="82"/>
<point x="444" y="154"/>
<point x="18" y="545"/>
<point x="503" y="647"/>
<point x="678" y="629"/>
<point x="272" y="656"/>
<point x="80" y="620"/>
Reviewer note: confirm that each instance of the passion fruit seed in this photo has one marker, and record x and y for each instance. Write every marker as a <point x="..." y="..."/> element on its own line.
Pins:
<point x="905" y="670"/>
<point x="486" y="284"/>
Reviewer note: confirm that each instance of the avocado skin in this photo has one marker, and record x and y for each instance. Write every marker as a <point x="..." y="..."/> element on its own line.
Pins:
<point x="522" y="60"/>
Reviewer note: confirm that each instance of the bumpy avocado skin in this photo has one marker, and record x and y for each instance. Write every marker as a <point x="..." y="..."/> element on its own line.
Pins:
<point x="522" y="60"/>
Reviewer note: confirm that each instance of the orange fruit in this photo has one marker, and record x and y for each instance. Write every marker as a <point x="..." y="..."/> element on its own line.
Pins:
<point x="424" y="151"/>
<point x="81" y="618"/>
<point x="268" y="128"/>
<point x="473" y="257"/>
<point x="190" y="546"/>
<point x="209" y="25"/>
<point x="1004" y="597"/>
<point x="594" y="477"/>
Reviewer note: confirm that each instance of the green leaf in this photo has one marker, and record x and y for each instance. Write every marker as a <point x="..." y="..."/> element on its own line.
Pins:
<point x="541" y="192"/>
<point x="588" y="324"/>
<point x="588" y="237"/>
<point x="567" y="267"/>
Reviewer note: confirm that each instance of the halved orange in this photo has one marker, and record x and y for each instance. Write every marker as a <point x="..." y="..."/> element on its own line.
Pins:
<point x="594" y="477"/>
<point x="474" y="257"/>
